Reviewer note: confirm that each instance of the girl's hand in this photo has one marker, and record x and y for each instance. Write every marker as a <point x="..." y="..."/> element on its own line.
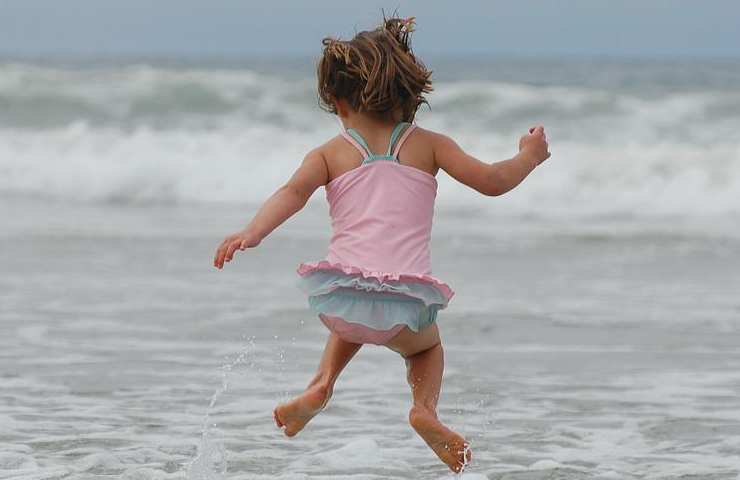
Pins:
<point x="287" y="200"/>
<point x="534" y="144"/>
<point x="238" y="241"/>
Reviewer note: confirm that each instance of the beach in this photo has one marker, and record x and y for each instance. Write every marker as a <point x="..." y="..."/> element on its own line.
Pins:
<point x="594" y="331"/>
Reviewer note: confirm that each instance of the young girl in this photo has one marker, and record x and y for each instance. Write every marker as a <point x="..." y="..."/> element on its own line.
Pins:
<point x="375" y="285"/>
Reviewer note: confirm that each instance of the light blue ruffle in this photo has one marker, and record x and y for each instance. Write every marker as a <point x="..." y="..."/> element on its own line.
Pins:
<point x="370" y="302"/>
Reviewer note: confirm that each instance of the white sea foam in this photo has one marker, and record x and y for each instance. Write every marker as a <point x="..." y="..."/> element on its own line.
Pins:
<point x="142" y="134"/>
<point x="82" y="163"/>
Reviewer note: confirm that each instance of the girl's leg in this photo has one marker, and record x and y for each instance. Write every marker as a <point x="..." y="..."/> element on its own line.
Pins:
<point x="425" y="363"/>
<point x="295" y="414"/>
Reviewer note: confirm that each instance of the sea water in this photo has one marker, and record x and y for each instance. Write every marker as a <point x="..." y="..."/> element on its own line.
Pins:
<point x="595" y="330"/>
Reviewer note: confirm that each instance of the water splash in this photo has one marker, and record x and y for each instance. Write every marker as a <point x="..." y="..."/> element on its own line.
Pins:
<point x="210" y="462"/>
<point x="465" y="452"/>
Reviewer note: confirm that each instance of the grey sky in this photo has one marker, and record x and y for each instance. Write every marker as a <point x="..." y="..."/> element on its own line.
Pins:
<point x="692" y="28"/>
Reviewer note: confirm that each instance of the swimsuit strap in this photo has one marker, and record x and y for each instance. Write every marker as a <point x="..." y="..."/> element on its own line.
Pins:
<point x="410" y="127"/>
<point x="359" y="146"/>
<point x="394" y="136"/>
<point x="354" y="137"/>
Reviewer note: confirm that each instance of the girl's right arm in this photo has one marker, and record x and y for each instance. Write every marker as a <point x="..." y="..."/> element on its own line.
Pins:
<point x="496" y="178"/>
<point x="285" y="202"/>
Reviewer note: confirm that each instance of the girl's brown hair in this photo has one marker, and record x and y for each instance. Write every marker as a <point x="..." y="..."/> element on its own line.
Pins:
<point x="376" y="71"/>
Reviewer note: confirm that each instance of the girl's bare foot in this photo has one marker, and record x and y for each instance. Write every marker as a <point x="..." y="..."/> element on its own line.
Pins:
<point x="449" y="446"/>
<point x="295" y="414"/>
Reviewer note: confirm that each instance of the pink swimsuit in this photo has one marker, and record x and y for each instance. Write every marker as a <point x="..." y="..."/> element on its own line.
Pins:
<point x="376" y="278"/>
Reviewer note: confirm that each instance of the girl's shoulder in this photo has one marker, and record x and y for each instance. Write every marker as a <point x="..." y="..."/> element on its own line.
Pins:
<point x="432" y="138"/>
<point x="419" y="136"/>
<point x="416" y="151"/>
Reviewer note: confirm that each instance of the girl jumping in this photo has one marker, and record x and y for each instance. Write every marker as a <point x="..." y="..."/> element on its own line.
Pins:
<point x="375" y="284"/>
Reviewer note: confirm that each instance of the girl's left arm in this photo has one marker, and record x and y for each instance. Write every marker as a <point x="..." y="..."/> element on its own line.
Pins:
<point x="284" y="203"/>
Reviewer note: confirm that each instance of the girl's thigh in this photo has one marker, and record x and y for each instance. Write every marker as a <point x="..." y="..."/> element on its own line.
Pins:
<point x="408" y="342"/>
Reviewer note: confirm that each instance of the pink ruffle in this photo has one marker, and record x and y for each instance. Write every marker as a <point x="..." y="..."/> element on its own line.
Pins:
<point x="306" y="268"/>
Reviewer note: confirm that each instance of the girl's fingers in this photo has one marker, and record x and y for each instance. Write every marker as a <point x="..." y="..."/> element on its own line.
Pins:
<point x="227" y="250"/>
<point x="228" y="254"/>
<point x="218" y="260"/>
<point x="538" y="130"/>
<point x="233" y="246"/>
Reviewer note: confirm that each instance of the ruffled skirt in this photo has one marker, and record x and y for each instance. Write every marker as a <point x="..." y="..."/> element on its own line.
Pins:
<point x="364" y="306"/>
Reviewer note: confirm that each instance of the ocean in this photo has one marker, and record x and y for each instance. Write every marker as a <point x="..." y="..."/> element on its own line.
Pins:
<point x="595" y="330"/>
